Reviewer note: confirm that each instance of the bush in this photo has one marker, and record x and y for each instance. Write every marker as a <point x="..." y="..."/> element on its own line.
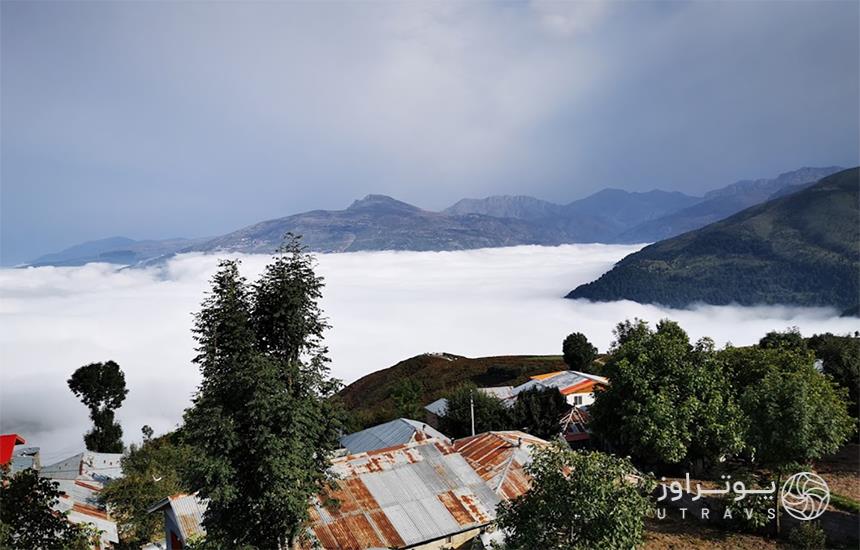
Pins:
<point x="808" y="536"/>
<point x="844" y="503"/>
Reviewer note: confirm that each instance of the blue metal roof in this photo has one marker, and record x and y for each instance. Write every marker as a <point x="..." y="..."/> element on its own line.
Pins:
<point x="396" y="432"/>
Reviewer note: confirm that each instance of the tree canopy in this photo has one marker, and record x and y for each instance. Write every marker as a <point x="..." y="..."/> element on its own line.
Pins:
<point x="151" y="472"/>
<point x="577" y="500"/>
<point x="28" y="519"/>
<point x="490" y="413"/>
<point x="263" y="425"/>
<point x="795" y="416"/>
<point x="538" y="411"/>
<point x="578" y="352"/>
<point x="668" y="401"/>
<point x="101" y="387"/>
<point x="840" y="356"/>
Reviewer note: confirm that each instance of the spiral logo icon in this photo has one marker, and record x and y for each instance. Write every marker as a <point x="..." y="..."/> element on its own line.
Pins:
<point x="805" y="496"/>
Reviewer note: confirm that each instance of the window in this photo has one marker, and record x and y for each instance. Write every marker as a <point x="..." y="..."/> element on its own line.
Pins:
<point x="577" y="400"/>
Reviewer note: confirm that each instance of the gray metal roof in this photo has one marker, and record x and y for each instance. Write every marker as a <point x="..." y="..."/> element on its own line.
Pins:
<point x="437" y="407"/>
<point x="81" y="478"/>
<point x="396" y="432"/>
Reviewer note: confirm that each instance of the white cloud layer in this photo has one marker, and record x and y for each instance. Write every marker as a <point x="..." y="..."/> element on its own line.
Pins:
<point x="384" y="307"/>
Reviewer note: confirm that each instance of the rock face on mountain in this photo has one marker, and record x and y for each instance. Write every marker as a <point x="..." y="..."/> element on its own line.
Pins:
<point x="520" y="207"/>
<point x="377" y="222"/>
<point x="722" y="203"/>
<point x="803" y="248"/>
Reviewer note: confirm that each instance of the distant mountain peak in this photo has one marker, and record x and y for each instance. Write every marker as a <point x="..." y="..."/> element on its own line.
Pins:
<point x="378" y="202"/>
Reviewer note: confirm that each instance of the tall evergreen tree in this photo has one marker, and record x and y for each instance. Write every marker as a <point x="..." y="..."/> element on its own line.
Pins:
<point x="263" y="423"/>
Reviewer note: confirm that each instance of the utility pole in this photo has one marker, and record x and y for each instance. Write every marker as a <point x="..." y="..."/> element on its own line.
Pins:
<point x="472" y="410"/>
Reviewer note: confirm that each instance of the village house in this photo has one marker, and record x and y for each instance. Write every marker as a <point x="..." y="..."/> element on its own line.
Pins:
<point x="427" y="493"/>
<point x="80" y="479"/>
<point x="577" y="388"/>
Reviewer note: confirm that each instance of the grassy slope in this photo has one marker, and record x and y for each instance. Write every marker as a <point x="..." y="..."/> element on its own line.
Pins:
<point x="801" y="249"/>
<point x="369" y="402"/>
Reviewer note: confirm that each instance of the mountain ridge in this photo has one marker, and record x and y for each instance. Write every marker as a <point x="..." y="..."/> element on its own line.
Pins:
<point x="380" y="222"/>
<point x="802" y="248"/>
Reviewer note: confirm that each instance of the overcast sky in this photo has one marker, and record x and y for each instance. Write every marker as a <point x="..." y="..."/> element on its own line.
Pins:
<point x="156" y="119"/>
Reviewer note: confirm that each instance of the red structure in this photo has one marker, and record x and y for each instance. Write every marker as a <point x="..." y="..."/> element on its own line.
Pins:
<point x="7" y="446"/>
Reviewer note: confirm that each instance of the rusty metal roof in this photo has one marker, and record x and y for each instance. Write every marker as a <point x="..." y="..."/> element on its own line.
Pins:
<point x="500" y="459"/>
<point x="401" y="496"/>
<point x="389" y="434"/>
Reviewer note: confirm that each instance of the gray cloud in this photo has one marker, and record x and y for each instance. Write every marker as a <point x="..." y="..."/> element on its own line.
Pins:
<point x="384" y="307"/>
<point x="156" y="119"/>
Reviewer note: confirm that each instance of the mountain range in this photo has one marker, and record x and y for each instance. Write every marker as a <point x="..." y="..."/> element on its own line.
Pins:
<point x="378" y="222"/>
<point x="801" y="248"/>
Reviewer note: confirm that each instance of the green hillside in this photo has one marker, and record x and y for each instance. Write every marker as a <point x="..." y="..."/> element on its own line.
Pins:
<point x="801" y="249"/>
<point x="369" y="399"/>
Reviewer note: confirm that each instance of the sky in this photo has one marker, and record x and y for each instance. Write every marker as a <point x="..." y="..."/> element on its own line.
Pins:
<point x="383" y="307"/>
<point x="158" y="119"/>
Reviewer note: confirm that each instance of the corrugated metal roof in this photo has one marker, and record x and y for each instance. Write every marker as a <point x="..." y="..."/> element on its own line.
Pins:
<point x="189" y="511"/>
<point x="566" y="381"/>
<point x="438" y="407"/>
<point x="401" y="496"/>
<point x="81" y="478"/>
<point x="101" y="467"/>
<point x="500" y="459"/>
<point x="390" y="434"/>
<point x="500" y="392"/>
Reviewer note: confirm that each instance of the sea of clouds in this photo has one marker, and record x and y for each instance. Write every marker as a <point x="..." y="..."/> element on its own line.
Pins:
<point x="383" y="307"/>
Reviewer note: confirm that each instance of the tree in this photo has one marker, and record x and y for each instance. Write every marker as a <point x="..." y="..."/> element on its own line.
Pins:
<point x="668" y="401"/>
<point x="263" y="424"/>
<point x="101" y="388"/>
<point x="578" y="352"/>
<point x="794" y="417"/>
<point x="407" y="398"/>
<point x="539" y="411"/>
<point x="788" y="339"/>
<point x="841" y="358"/>
<point x="490" y="413"/>
<point x="577" y="500"/>
<point x="28" y="519"/>
<point x="151" y="472"/>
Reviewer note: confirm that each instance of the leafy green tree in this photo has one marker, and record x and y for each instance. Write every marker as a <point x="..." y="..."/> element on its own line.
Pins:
<point x="788" y="339"/>
<point x="538" y="411"/>
<point x="794" y="417"/>
<point x="407" y="398"/>
<point x="263" y="423"/>
<point x="27" y="517"/>
<point x="577" y="500"/>
<point x="668" y="401"/>
<point x="490" y="413"/>
<point x="151" y="472"/>
<point x="841" y="358"/>
<point x="101" y="387"/>
<point x="578" y="352"/>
